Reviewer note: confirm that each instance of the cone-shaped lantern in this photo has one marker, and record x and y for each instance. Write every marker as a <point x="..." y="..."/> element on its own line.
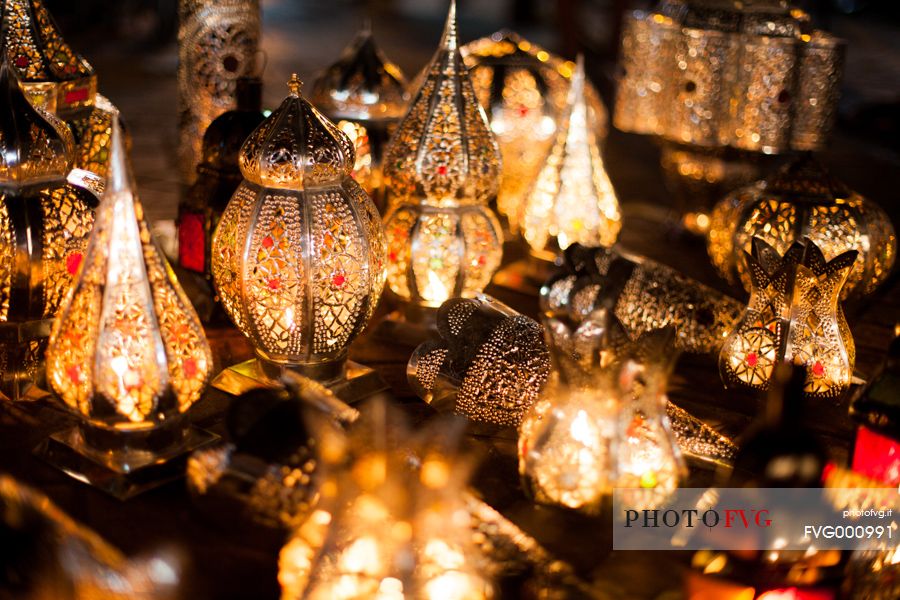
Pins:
<point x="44" y="228"/>
<point x="572" y="200"/>
<point x="441" y="168"/>
<point x="298" y="257"/>
<point x="127" y="353"/>
<point x="57" y="79"/>
<point x="366" y="95"/>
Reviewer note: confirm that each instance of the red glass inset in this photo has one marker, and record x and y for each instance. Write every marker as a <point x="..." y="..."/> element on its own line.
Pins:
<point x="192" y="242"/>
<point x="877" y="456"/>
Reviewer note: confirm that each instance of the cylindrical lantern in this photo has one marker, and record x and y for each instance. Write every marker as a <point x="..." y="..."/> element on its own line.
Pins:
<point x="365" y="94"/>
<point x="793" y="314"/>
<point x="58" y="80"/>
<point x="523" y="88"/>
<point x="298" y="257"/>
<point x="217" y="44"/>
<point x="442" y="167"/>
<point x="44" y="228"/>
<point x="803" y="200"/>
<point x="127" y="353"/>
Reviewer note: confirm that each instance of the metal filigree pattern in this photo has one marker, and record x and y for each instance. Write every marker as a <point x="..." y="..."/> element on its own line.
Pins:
<point x="299" y="270"/>
<point x="523" y="88"/>
<point x="793" y="315"/>
<point x="803" y="201"/>
<point x="489" y="365"/>
<point x="68" y="216"/>
<point x="217" y="44"/>
<point x="92" y="131"/>
<point x="728" y="74"/>
<point x="644" y="296"/>
<point x="572" y="200"/>
<point x="127" y="350"/>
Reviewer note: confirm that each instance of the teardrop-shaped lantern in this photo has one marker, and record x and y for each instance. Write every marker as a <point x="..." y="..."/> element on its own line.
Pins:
<point x="365" y="94"/>
<point x="442" y="167"/>
<point x="127" y="353"/>
<point x="58" y="79"/>
<point x="44" y="228"/>
<point x="298" y="257"/>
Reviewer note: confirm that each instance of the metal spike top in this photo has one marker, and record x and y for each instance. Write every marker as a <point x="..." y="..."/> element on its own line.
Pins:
<point x="443" y="152"/>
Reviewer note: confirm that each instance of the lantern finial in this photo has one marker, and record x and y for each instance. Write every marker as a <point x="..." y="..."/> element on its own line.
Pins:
<point x="295" y="85"/>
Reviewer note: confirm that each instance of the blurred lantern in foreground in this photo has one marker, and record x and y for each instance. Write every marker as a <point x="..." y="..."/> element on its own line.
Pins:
<point x="56" y="557"/>
<point x="489" y="365"/>
<point x="524" y="88"/>
<point x="365" y="94"/>
<point x="572" y="200"/>
<point x="712" y="78"/>
<point x="217" y="45"/>
<point x="218" y="176"/>
<point x="127" y="353"/>
<point x="385" y="530"/>
<point x="58" y="80"/>
<point x="801" y="201"/>
<point x="644" y="295"/>
<point x="298" y="257"/>
<point x="441" y="168"/>
<point x="794" y="314"/>
<point x="44" y="228"/>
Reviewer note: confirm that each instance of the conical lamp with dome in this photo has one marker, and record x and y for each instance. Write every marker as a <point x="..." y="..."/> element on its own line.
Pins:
<point x="44" y="227"/>
<point x="127" y="354"/>
<point x="441" y="168"/>
<point x="298" y="256"/>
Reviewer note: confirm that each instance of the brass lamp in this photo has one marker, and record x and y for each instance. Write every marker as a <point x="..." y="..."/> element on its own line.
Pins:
<point x="803" y="200"/>
<point x="127" y="354"/>
<point x="298" y="257"/>
<point x="44" y="228"/>
<point x="58" y="80"/>
<point x="523" y="88"/>
<point x="366" y="95"/>
<point x="793" y="315"/>
<point x="723" y="84"/>
<point x="441" y="169"/>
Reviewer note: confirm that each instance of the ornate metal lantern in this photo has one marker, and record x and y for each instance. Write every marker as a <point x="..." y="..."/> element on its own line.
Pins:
<point x="366" y="95"/>
<point x="127" y="353"/>
<point x="44" y="228"/>
<point x="794" y="315"/>
<point x="218" y="176"/>
<point x="298" y="257"/>
<point x="58" y="80"/>
<point x="217" y="45"/>
<point x="706" y="76"/>
<point x="801" y="201"/>
<point x="442" y="167"/>
<point x="523" y="88"/>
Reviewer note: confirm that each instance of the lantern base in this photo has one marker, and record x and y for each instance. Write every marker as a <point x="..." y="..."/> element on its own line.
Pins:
<point x="351" y="382"/>
<point x="22" y="348"/>
<point x="526" y="275"/>
<point x="124" y="464"/>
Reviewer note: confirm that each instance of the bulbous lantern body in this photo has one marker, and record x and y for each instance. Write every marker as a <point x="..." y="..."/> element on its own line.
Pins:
<point x="366" y="95"/>
<point x="801" y="201"/>
<point x="58" y="80"/>
<point x="298" y="257"/>
<point x="44" y="228"/>
<point x="442" y="166"/>
<point x="523" y="88"/>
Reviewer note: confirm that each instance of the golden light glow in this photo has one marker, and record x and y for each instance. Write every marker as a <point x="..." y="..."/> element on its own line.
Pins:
<point x="298" y="256"/>
<point x="572" y="200"/>
<point x="126" y="336"/>
<point x="441" y="168"/>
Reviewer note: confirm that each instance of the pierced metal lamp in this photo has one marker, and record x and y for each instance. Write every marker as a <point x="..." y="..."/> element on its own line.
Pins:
<point x="571" y="201"/>
<point x="803" y="200"/>
<point x="298" y="257"/>
<point x="44" y="226"/>
<point x="127" y="354"/>
<point x="524" y="89"/>
<point x="366" y="95"/>
<point x="58" y="80"/>
<point x="441" y="169"/>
